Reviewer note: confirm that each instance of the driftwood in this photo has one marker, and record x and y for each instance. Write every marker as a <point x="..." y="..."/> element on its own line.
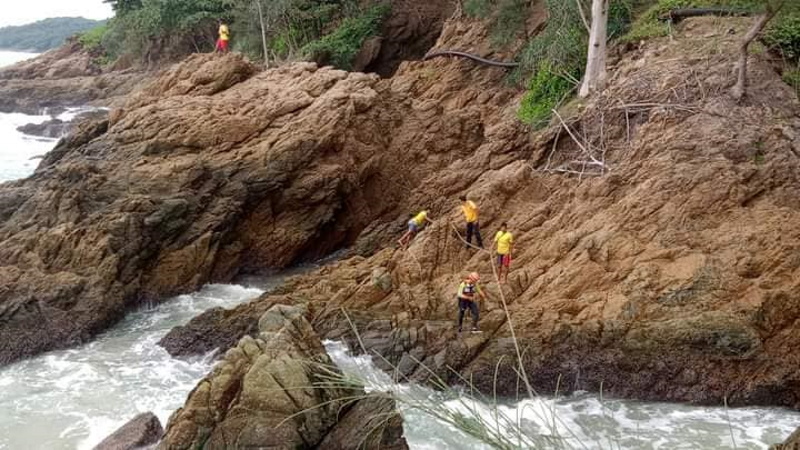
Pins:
<point x="676" y="15"/>
<point x="470" y="56"/>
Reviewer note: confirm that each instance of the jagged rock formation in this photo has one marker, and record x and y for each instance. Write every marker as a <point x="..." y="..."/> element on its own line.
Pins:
<point x="279" y="390"/>
<point x="214" y="169"/>
<point x="142" y="431"/>
<point x="66" y="76"/>
<point x="672" y="276"/>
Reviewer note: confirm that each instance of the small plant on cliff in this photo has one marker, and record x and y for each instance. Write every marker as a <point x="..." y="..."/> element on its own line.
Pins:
<point x="340" y="47"/>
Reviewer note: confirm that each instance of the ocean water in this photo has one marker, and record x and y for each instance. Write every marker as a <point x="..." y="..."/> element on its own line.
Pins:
<point x="582" y="421"/>
<point x="73" y="399"/>
<point x="19" y="153"/>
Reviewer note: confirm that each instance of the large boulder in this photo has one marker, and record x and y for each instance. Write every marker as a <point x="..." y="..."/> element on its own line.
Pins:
<point x="791" y="443"/>
<point x="142" y="431"/>
<point x="276" y="390"/>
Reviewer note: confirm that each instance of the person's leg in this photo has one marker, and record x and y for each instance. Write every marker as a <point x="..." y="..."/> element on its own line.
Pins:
<point x="506" y="266"/>
<point x="478" y="237"/>
<point x="461" y="309"/>
<point x="473" y="307"/>
<point x="470" y="229"/>
<point x="224" y="46"/>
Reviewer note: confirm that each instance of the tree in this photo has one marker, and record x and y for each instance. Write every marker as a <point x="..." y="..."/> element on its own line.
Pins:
<point x="771" y="8"/>
<point x="595" y="77"/>
<point x="123" y="6"/>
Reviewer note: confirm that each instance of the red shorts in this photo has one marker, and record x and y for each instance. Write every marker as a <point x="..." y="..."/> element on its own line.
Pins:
<point x="222" y="45"/>
<point x="503" y="260"/>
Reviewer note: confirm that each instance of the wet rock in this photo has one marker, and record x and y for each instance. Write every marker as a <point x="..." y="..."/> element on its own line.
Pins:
<point x="791" y="443"/>
<point x="372" y="423"/>
<point x="54" y="128"/>
<point x="273" y="390"/>
<point x="142" y="431"/>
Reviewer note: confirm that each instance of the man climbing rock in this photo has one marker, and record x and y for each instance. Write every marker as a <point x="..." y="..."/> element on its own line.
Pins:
<point x="470" y="210"/>
<point x="504" y="244"/>
<point x="224" y="37"/>
<point x="414" y="226"/>
<point x="466" y="300"/>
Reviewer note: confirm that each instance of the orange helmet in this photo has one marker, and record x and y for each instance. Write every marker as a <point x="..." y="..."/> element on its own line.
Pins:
<point x="474" y="277"/>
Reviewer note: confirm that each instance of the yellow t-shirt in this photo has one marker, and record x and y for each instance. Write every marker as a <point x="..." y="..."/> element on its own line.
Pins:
<point x="224" y="33"/>
<point x="470" y="211"/>
<point x="419" y="219"/>
<point x="504" y="241"/>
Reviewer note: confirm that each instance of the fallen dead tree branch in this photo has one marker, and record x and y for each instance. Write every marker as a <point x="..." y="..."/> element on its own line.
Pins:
<point x="676" y="15"/>
<point x="470" y="56"/>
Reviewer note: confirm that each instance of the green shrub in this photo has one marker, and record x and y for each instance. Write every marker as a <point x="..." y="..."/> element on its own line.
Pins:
<point x="783" y="36"/>
<point x="341" y="46"/>
<point x="546" y="90"/>
<point x="477" y="8"/>
<point x="508" y="21"/>
<point x="93" y="39"/>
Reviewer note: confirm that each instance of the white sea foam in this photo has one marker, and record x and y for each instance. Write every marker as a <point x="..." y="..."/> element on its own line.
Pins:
<point x="580" y="420"/>
<point x="74" y="398"/>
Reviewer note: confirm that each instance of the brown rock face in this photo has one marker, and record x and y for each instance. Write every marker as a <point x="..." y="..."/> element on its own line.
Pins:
<point x="276" y="391"/>
<point x="671" y="275"/>
<point x="142" y="431"/>
<point x="213" y="170"/>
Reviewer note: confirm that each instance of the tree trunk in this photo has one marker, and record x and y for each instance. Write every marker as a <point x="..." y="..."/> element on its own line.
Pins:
<point x="595" y="77"/>
<point x="263" y="34"/>
<point x="740" y="87"/>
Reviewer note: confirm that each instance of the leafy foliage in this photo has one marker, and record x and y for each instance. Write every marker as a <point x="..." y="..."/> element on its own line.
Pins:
<point x="43" y="35"/>
<point x="93" y="39"/>
<point x="556" y="57"/>
<point x="546" y="90"/>
<point x="341" y="46"/>
<point x="507" y="17"/>
<point x="783" y="35"/>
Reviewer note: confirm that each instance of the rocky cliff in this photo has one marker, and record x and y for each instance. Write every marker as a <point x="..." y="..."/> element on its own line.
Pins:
<point x="655" y="227"/>
<point x="669" y="274"/>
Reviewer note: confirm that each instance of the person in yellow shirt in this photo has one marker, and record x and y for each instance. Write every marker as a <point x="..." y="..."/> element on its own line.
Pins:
<point x="466" y="300"/>
<point x="414" y="226"/>
<point x="504" y="244"/>
<point x="470" y="210"/>
<point x="224" y="37"/>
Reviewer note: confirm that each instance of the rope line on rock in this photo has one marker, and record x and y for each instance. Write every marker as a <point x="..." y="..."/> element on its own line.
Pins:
<point x="470" y="56"/>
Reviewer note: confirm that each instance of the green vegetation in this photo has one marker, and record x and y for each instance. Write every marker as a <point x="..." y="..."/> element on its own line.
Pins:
<point x="556" y="57"/>
<point x="43" y="35"/>
<point x="507" y="17"/>
<point x="153" y="30"/>
<point x="341" y="46"/>
<point x="93" y="39"/>
<point x="783" y="35"/>
<point x="546" y="89"/>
